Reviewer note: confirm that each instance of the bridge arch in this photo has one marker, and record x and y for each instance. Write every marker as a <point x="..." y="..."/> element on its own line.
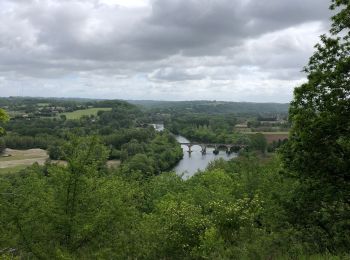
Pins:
<point x="228" y="147"/>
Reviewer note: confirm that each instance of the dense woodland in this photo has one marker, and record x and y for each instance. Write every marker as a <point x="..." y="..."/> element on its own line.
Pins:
<point x="117" y="129"/>
<point x="293" y="204"/>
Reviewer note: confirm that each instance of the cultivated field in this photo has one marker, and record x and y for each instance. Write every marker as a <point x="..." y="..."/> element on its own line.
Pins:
<point x="15" y="160"/>
<point x="85" y="112"/>
<point x="273" y="136"/>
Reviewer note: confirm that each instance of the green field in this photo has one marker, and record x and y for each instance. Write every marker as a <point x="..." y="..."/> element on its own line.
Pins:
<point x="12" y="170"/>
<point x="85" y="112"/>
<point x="16" y="158"/>
<point x="18" y="155"/>
<point x="43" y="104"/>
<point x="20" y="159"/>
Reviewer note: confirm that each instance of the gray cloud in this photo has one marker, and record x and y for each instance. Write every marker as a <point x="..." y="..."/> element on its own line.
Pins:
<point x="76" y="45"/>
<point x="173" y="74"/>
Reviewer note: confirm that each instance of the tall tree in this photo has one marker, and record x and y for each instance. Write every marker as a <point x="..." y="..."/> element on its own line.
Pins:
<point x="3" y="118"/>
<point x="318" y="151"/>
<point x="72" y="212"/>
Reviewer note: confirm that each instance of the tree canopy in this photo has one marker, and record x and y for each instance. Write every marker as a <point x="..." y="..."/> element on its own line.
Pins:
<point x="318" y="150"/>
<point x="3" y="118"/>
<point x="319" y="144"/>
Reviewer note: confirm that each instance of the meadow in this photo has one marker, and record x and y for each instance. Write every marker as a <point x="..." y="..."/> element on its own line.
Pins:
<point x="85" y="112"/>
<point x="12" y="170"/>
<point x="18" y="159"/>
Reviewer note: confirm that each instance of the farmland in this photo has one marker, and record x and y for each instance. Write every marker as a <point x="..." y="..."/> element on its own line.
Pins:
<point x="84" y="112"/>
<point x="15" y="158"/>
<point x="272" y="136"/>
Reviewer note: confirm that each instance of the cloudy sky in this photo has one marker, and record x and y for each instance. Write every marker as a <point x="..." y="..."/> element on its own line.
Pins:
<point x="234" y="50"/>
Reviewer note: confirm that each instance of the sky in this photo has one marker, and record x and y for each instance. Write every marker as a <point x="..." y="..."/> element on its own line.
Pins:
<point x="230" y="50"/>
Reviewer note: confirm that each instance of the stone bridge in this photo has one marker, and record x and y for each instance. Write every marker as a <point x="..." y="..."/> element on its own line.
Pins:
<point x="216" y="146"/>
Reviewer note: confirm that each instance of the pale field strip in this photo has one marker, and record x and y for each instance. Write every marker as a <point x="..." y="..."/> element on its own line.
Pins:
<point x="15" y="158"/>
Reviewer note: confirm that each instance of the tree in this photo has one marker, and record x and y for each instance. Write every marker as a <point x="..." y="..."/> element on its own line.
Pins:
<point x="69" y="212"/>
<point x="3" y="118"/>
<point x="318" y="150"/>
<point x="319" y="144"/>
<point x="2" y="145"/>
<point x="258" y="142"/>
<point x="140" y="166"/>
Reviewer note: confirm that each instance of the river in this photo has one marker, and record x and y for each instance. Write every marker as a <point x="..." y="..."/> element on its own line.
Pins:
<point x="195" y="161"/>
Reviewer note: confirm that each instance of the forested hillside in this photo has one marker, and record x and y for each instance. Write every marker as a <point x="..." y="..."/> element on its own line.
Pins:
<point x="214" y="107"/>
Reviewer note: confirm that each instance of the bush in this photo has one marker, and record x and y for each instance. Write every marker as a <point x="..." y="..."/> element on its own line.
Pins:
<point x="115" y="154"/>
<point x="2" y="145"/>
<point x="55" y="152"/>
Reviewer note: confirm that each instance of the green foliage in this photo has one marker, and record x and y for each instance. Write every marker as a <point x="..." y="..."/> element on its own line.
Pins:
<point x="80" y="113"/>
<point x="69" y="212"/>
<point x="144" y="160"/>
<point x="272" y="147"/>
<point x="3" y="118"/>
<point x="41" y="141"/>
<point x="234" y="210"/>
<point x="318" y="150"/>
<point x="213" y="107"/>
<point x="341" y="20"/>
<point x="115" y="154"/>
<point x="55" y="152"/>
<point x="2" y="145"/>
<point x="258" y="142"/>
<point x="201" y="127"/>
<point x="207" y="128"/>
<point x="139" y="166"/>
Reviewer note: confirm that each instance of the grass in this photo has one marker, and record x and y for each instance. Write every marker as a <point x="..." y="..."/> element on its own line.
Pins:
<point x="20" y="159"/>
<point x="85" y="112"/>
<point x="12" y="170"/>
<point x="23" y="155"/>
<point x="17" y="157"/>
<point x="43" y="104"/>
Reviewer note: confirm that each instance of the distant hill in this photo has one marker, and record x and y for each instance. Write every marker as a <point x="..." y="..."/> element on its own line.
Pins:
<point x="203" y="106"/>
<point x="214" y="107"/>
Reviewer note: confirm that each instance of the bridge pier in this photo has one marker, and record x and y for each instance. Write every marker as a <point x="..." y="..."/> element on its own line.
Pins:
<point x="216" y="150"/>
<point x="229" y="147"/>
<point x="189" y="148"/>
<point x="204" y="149"/>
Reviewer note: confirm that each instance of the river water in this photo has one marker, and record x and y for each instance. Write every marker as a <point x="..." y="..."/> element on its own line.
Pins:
<point x="195" y="161"/>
